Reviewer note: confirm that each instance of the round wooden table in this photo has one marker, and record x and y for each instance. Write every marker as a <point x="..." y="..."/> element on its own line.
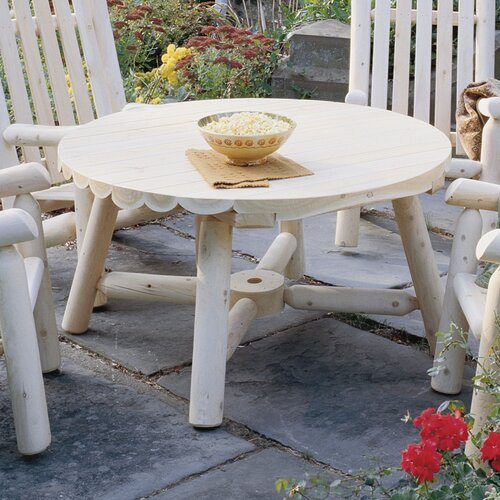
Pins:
<point x="358" y="154"/>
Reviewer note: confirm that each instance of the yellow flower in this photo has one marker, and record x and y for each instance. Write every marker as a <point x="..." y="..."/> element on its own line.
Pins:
<point x="172" y="78"/>
<point x="165" y="58"/>
<point x="181" y="52"/>
<point x="139" y="99"/>
<point x="171" y="50"/>
<point x="164" y="71"/>
<point x="156" y="100"/>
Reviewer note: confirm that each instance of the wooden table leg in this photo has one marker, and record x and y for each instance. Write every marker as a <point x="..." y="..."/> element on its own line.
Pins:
<point x="91" y="260"/>
<point x="420" y="257"/>
<point x="211" y="323"/>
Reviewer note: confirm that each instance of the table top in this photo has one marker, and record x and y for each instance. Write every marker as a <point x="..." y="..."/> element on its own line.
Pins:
<point x="358" y="154"/>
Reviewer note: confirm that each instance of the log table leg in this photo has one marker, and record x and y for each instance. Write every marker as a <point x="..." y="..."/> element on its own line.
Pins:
<point x="296" y="267"/>
<point x="211" y="323"/>
<point x="420" y="257"/>
<point x="91" y="260"/>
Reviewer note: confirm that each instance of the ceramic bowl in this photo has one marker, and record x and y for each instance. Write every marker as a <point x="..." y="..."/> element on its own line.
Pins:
<point x="245" y="150"/>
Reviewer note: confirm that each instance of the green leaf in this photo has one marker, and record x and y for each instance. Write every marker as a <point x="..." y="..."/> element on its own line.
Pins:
<point x="478" y="493"/>
<point x="281" y="484"/>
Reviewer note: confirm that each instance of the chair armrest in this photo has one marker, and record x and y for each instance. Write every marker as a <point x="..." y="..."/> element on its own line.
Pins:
<point x="23" y="179"/>
<point x="469" y="193"/>
<point x="490" y="107"/>
<point x="356" y="97"/>
<point x="16" y="226"/>
<point x="488" y="248"/>
<point x="460" y="168"/>
<point x="25" y="134"/>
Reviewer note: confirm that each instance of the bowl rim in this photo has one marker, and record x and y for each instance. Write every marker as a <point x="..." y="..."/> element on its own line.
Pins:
<point x="292" y="123"/>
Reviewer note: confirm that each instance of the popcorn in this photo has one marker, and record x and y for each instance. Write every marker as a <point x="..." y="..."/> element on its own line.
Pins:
<point x="247" y="123"/>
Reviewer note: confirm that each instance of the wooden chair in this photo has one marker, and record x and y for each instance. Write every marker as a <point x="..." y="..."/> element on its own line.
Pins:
<point x="61" y="70"/>
<point x="431" y="87"/>
<point x="466" y="305"/>
<point x="27" y="317"/>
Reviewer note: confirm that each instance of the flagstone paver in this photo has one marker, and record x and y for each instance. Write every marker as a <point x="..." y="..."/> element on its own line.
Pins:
<point x="109" y="442"/>
<point x="327" y="389"/>
<point x="251" y="478"/>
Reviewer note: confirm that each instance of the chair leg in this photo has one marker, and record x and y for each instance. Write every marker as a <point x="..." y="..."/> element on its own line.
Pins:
<point x="24" y="371"/>
<point x="296" y="267"/>
<point x="448" y="379"/>
<point x="347" y="229"/>
<point x="91" y="259"/>
<point x="211" y="324"/>
<point x="483" y="402"/>
<point x="44" y="313"/>
<point x="420" y="257"/>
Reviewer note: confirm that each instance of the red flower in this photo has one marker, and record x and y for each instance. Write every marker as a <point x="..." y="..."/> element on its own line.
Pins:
<point x="419" y="421"/>
<point x="120" y="24"/>
<point x="221" y="60"/>
<point x="144" y="8"/>
<point x="139" y="36"/>
<point x="235" y="64"/>
<point x="445" y="432"/>
<point x="249" y="53"/>
<point x="421" y="460"/>
<point x="131" y="16"/>
<point x="491" y="450"/>
<point x="226" y="29"/>
<point x="206" y="30"/>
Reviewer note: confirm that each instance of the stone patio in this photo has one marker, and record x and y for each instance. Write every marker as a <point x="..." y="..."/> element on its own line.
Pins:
<point x="305" y="392"/>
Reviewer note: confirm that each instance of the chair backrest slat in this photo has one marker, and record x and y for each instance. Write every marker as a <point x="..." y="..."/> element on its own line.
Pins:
<point x="73" y="58"/>
<point x="55" y="67"/>
<point x="359" y="66"/>
<point x="444" y="61"/>
<point x="485" y="39"/>
<point x="423" y="59"/>
<point x="106" y="43"/>
<point x="401" y="82"/>
<point x="465" y="49"/>
<point x="36" y="77"/>
<point x="380" y="64"/>
<point x="15" y="76"/>
<point x="8" y="155"/>
<point x="93" y="57"/>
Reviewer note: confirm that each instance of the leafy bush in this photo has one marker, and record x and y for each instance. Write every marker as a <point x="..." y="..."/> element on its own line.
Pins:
<point x="222" y="62"/>
<point x="142" y="30"/>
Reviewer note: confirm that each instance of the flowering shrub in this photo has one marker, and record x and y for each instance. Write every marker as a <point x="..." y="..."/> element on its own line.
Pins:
<point x="142" y="29"/>
<point x="161" y="84"/>
<point x="438" y="467"/>
<point x="228" y="62"/>
<point x="440" y="453"/>
<point x="222" y="62"/>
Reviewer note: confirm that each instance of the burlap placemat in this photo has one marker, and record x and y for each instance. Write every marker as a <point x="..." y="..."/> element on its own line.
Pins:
<point x="470" y="121"/>
<point x="221" y="175"/>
